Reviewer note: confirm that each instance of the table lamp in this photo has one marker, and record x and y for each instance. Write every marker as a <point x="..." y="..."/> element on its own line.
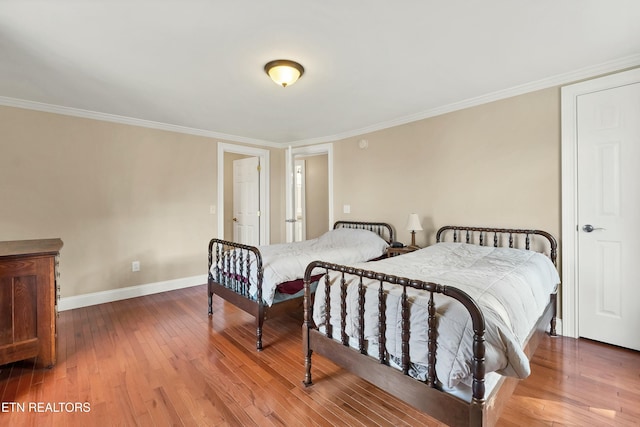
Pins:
<point x="413" y="225"/>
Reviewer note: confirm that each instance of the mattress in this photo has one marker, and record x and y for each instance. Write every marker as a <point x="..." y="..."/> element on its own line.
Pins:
<point x="287" y="262"/>
<point x="511" y="286"/>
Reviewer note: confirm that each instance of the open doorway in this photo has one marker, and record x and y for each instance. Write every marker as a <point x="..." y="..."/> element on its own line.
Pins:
<point x="309" y="181"/>
<point x="312" y="194"/>
<point x="227" y="153"/>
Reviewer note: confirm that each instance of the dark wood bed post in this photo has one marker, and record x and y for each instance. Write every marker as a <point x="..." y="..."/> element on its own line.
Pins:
<point x="210" y="277"/>
<point x="478" y="361"/>
<point x="261" y="312"/>
<point x="307" y="324"/>
<point x="552" y="327"/>
<point x="259" y="322"/>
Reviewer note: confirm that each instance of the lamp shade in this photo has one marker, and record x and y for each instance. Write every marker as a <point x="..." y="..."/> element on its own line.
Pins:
<point x="413" y="223"/>
<point x="284" y="72"/>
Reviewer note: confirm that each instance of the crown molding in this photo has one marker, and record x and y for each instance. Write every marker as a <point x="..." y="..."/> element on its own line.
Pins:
<point x="558" y="80"/>
<point x="88" y="114"/>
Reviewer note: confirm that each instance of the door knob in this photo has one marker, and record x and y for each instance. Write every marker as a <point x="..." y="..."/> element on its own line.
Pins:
<point x="235" y="219"/>
<point x="588" y="228"/>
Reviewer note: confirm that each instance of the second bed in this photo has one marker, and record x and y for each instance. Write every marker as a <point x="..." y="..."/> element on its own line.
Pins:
<point x="266" y="281"/>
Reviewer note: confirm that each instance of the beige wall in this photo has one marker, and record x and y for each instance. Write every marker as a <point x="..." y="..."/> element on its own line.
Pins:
<point x="277" y="194"/>
<point x="496" y="164"/>
<point x="116" y="193"/>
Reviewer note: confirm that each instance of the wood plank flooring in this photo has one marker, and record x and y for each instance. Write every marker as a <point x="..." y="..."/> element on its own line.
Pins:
<point x="159" y="360"/>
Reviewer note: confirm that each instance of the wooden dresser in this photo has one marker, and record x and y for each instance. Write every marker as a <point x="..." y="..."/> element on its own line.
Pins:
<point x="28" y="300"/>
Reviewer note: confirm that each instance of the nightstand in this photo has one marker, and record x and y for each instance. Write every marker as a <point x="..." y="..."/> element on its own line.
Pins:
<point x="401" y="251"/>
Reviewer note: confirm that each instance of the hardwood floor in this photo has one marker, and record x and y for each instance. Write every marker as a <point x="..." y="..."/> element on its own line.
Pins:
<point x="160" y="360"/>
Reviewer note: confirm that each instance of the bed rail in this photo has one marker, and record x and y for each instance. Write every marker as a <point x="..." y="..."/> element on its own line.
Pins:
<point x="500" y="237"/>
<point x="236" y="269"/>
<point x="477" y="318"/>
<point x="382" y="229"/>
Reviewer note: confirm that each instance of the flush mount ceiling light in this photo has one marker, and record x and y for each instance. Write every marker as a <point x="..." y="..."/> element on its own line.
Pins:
<point x="284" y="72"/>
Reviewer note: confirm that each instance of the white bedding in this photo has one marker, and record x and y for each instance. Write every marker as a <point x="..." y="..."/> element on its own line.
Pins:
<point x="287" y="261"/>
<point x="511" y="286"/>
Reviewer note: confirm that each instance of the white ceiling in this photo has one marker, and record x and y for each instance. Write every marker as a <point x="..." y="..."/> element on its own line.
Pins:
<point x="197" y="66"/>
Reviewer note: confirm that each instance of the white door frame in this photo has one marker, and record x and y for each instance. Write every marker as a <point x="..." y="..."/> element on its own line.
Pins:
<point x="569" y="154"/>
<point x="309" y="150"/>
<point x="264" y="186"/>
<point x="303" y="192"/>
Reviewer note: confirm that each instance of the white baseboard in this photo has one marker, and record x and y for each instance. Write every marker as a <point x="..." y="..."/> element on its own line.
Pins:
<point x="559" y="326"/>
<point x="85" y="300"/>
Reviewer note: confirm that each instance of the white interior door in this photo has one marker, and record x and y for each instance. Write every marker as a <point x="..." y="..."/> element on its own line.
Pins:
<point x="246" y="201"/>
<point x="608" y="135"/>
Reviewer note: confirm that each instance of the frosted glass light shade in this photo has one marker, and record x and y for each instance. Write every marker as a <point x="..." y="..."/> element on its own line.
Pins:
<point x="284" y="72"/>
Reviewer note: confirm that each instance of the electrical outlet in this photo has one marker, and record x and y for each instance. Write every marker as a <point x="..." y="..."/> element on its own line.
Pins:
<point x="135" y="266"/>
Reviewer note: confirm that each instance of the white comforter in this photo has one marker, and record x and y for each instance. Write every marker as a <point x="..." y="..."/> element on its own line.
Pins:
<point x="511" y="286"/>
<point x="287" y="261"/>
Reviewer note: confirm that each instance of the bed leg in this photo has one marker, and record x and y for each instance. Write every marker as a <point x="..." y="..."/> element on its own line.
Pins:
<point x="307" y="355"/>
<point x="259" y="322"/>
<point x="210" y="303"/>
<point x="307" y="368"/>
<point x="259" y="338"/>
<point x="552" y="326"/>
